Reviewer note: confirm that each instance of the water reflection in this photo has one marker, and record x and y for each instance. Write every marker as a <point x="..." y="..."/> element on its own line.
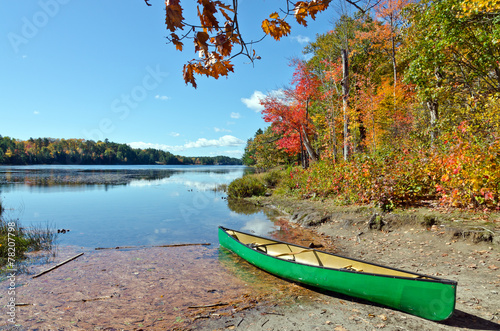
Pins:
<point x="126" y="206"/>
<point x="243" y="207"/>
<point x="259" y="227"/>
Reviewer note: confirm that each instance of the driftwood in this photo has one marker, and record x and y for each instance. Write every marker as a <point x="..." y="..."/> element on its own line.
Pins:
<point x="171" y="245"/>
<point x="93" y="299"/>
<point x="180" y="245"/>
<point x="212" y="305"/>
<point x="57" y="265"/>
<point x="117" y="247"/>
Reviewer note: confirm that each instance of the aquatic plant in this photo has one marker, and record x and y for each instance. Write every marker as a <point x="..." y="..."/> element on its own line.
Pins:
<point x="16" y="241"/>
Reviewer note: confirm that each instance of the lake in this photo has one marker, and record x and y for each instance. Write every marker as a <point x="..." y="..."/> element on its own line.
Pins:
<point x="109" y="206"/>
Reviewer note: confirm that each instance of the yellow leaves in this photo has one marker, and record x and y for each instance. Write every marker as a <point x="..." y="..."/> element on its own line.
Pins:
<point x="276" y="27"/>
<point x="480" y="6"/>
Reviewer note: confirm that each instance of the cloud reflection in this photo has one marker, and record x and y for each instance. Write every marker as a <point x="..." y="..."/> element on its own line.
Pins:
<point x="259" y="227"/>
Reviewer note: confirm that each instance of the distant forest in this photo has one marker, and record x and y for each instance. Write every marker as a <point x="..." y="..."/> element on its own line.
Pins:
<point x="80" y="151"/>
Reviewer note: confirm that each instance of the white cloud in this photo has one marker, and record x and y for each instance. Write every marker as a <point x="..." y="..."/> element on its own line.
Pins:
<point x="235" y="115"/>
<point x="175" y="134"/>
<point x="36" y="112"/>
<point x="226" y="140"/>
<point x="161" y="97"/>
<point x="254" y="101"/>
<point x="223" y="141"/>
<point x="302" y="39"/>
<point x="143" y="145"/>
<point x="280" y="94"/>
<point x="221" y="130"/>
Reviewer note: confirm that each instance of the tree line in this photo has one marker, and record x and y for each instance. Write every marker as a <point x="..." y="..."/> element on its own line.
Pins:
<point x="401" y="102"/>
<point x="89" y="152"/>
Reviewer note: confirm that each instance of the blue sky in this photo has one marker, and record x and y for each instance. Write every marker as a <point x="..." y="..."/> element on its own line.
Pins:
<point x="102" y="69"/>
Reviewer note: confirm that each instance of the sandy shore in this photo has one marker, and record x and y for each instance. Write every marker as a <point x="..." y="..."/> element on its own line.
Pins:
<point x="410" y="245"/>
<point x="474" y="266"/>
<point x="209" y="288"/>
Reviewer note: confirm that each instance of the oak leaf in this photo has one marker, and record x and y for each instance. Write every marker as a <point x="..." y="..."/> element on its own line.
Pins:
<point x="187" y="72"/>
<point x="174" y="17"/>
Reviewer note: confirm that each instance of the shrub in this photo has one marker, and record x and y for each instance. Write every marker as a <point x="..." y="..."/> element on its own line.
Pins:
<point x="245" y="187"/>
<point x="469" y="175"/>
<point x="272" y="178"/>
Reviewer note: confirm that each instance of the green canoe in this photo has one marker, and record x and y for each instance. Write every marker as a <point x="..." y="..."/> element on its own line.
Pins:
<point x="421" y="295"/>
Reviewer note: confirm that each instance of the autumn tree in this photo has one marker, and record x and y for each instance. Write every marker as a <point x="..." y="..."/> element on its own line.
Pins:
<point x="262" y="152"/>
<point x="329" y="50"/>
<point x="453" y="56"/>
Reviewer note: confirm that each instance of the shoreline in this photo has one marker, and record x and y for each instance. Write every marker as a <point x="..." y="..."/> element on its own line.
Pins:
<point x="150" y="288"/>
<point x="424" y="240"/>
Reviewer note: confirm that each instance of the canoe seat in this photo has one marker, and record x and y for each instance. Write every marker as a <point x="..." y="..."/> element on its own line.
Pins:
<point x="294" y="253"/>
<point x="350" y="267"/>
<point x="258" y="246"/>
<point x="316" y="257"/>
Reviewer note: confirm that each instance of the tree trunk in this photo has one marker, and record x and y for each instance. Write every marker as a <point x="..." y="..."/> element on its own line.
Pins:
<point x="345" y="95"/>
<point x="307" y="144"/>
<point x="497" y="72"/>
<point x="334" y="134"/>
<point x="432" y="105"/>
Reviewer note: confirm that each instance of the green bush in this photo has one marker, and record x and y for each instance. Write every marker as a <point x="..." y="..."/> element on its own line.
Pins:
<point x="272" y="178"/>
<point x="245" y="187"/>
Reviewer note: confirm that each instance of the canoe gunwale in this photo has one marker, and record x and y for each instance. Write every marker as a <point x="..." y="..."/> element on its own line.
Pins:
<point x="432" y="278"/>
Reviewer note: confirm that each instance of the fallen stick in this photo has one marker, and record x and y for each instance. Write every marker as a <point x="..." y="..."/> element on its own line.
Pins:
<point x="209" y="306"/>
<point x="93" y="299"/>
<point x="200" y="316"/>
<point x="117" y="247"/>
<point x="171" y="245"/>
<point x="58" y="265"/>
<point x="179" y="245"/>
<point x="271" y="313"/>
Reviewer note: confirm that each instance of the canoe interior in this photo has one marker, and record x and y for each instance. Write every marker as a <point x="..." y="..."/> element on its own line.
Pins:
<point x="313" y="257"/>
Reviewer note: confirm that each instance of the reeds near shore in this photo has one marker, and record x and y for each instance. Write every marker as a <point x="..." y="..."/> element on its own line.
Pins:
<point x="16" y="241"/>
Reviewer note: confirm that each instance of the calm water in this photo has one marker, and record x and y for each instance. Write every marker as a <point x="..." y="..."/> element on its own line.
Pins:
<point x="137" y="205"/>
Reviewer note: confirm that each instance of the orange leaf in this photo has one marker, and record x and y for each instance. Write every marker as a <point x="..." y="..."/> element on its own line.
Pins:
<point x="176" y="41"/>
<point x="187" y="72"/>
<point x="276" y="28"/>
<point x="201" y="42"/>
<point x="174" y="17"/>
